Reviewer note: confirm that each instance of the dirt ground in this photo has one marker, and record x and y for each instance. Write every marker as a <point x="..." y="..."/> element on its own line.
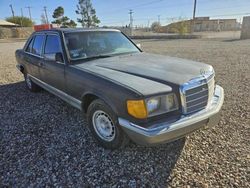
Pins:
<point x="44" y="141"/>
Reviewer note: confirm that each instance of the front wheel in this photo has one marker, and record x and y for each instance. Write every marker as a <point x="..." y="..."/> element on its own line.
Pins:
<point x="104" y="126"/>
<point x="30" y="84"/>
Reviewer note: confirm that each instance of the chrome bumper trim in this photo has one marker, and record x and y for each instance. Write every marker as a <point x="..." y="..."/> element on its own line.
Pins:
<point x="165" y="132"/>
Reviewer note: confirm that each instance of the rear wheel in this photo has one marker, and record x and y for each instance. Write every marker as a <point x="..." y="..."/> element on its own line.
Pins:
<point x="104" y="126"/>
<point x="30" y="84"/>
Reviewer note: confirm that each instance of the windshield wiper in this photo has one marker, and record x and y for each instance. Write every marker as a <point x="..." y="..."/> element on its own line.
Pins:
<point x="97" y="57"/>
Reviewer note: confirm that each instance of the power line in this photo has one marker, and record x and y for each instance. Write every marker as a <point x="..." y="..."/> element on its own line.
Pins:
<point x="132" y="7"/>
<point x="175" y="18"/>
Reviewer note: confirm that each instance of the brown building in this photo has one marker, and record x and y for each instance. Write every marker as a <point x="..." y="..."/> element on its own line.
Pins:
<point x="203" y="24"/>
<point x="245" y="30"/>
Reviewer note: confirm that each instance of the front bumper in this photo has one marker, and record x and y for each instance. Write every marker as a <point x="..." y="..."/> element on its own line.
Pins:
<point x="166" y="132"/>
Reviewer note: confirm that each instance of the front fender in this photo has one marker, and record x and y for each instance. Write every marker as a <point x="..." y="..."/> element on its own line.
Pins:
<point x="108" y="101"/>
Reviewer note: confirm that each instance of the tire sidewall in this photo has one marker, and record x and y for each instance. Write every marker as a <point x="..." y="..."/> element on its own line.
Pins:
<point x="119" y="135"/>
<point x="27" y="79"/>
<point x="32" y="86"/>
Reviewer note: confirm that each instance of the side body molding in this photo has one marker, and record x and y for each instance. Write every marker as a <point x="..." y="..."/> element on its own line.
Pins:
<point x="64" y="96"/>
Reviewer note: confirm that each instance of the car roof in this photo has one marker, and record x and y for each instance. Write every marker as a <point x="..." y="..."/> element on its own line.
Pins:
<point x="71" y="30"/>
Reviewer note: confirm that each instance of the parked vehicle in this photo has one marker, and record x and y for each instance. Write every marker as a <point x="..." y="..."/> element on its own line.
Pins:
<point x="125" y="92"/>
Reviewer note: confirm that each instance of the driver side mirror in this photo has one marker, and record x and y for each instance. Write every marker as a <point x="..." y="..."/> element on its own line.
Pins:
<point x="59" y="57"/>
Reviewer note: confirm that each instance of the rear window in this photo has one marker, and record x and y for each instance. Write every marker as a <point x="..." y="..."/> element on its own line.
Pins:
<point x="37" y="45"/>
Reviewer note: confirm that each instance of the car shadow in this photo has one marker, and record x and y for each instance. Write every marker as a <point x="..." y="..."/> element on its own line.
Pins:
<point x="44" y="141"/>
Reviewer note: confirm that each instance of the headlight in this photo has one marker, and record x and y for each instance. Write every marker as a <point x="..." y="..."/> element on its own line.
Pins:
<point x="152" y="106"/>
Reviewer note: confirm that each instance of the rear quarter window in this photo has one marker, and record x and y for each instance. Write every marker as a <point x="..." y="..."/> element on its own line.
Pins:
<point x="29" y="46"/>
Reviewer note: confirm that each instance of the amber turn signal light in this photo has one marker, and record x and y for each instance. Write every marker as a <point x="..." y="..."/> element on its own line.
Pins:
<point x="137" y="109"/>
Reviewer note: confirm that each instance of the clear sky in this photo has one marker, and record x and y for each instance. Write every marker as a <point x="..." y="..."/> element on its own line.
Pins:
<point x="115" y="12"/>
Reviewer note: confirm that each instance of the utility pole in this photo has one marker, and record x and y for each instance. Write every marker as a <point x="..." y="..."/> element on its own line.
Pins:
<point x="28" y="7"/>
<point x="22" y="12"/>
<point x="131" y="21"/>
<point x="194" y="12"/>
<point x="13" y="14"/>
<point x="12" y="11"/>
<point x="148" y="25"/>
<point x="21" y="17"/>
<point x="45" y="11"/>
<point x="159" y="19"/>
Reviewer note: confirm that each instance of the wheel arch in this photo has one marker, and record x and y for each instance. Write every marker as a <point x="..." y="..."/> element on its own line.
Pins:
<point x="21" y="68"/>
<point x="88" y="97"/>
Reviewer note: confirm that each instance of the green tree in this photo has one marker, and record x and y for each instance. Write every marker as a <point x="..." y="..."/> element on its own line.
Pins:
<point x="21" y="21"/>
<point x="58" y="14"/>
<point x="60" y="19"/>
<point x="87" y="13"/>
<point x="72" y="23"/>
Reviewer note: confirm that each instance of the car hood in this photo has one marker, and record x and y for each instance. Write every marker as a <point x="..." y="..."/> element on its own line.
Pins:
<point x="158" y="73"/>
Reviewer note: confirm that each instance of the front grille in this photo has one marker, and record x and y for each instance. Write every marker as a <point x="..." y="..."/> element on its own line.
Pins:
<point x="196" y="94"/>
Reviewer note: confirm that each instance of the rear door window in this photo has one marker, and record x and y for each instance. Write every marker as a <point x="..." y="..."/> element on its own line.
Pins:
<point x="38" y="45"/>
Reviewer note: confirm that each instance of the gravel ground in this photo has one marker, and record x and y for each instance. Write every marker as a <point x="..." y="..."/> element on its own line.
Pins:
<point x="44" y="141"/>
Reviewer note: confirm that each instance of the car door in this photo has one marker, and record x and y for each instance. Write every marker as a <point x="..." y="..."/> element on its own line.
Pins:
<point x="52" y="71"/>
<point x="33" y="56"/>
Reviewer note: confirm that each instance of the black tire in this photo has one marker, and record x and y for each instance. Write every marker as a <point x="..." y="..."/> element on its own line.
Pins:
<point x="119" y="139"/>
<point x="30" y="84"/>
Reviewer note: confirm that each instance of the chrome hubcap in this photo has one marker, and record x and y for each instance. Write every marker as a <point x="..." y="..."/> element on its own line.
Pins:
<point x="103" y="125"/>
<point x="28" y="81"/>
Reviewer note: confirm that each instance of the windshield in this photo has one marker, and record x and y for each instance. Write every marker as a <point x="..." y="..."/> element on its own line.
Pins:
<point x="87" y="44"/>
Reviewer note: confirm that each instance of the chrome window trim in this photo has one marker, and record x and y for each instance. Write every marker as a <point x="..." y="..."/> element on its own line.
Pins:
<point x="34" y="55"/>
<point x="43" y="46"/>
